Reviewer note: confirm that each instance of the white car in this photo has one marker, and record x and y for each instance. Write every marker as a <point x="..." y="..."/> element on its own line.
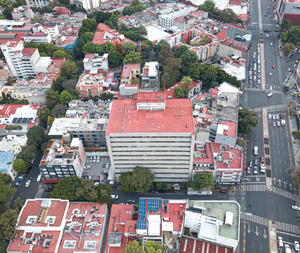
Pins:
<point x="258" y="81"/>
<point x="267" y="35"/>
<point x="296" y="207"/>
<point x="271" y="88"/>
<point x="270" y="74"/>
<point x="296" y="243"/>
<point x="27" y="183"/>
<point x="114" y="196"/>
<point x="270" y="94"/>
<point x="269" y="116"/>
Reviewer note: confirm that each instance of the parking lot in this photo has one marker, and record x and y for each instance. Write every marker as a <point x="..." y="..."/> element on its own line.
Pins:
<point x="94" y="167"/>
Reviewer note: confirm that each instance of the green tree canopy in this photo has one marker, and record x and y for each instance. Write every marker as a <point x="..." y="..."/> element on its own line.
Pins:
<point x="124" y="181"/>
<point x="149" y="247"/>
<point x="159" y="46"/>
<point x="52" y="98"/>
<point x="115" y="59"/>
<point x="85" y="191"/>
<point x="246" y="121"/>
<point x="68" y="68"/>
<point x="203" y="180"/>
<point x="179" y="93"/>
<point x="228" y="16"/>
<point x="8" y="220"/>
<point x="172" y="69"/>
<point x="27" y="154"/>
<point x="88" y="25"/>
<point x="35" y="136"/>
<point x="141" y="179"/>
<point x="132" y="57"/>
<point x="60" y="53"/>
<point x="43" y="117"/>
<point x="89" y="48"/>
<point x="59" y="110"/>
<point x="127" y="47"/>
<point x="209" y="5"/>
<point x="186" y="85"/>
<point x="66" y="188"/>
<point x="65" y="97"/>
<point x="286" y="24"/>
<point x="296" y="135"/>
<point x="5" y="191"/>
<point x="288" y="48"/>
<point x="165" y="54"/>
<point x="20" y="165"/>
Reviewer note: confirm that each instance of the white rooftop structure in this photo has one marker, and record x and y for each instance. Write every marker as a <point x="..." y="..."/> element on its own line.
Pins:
<point x="155" y="34"/>
<point x="154" y="225"/>
<point x="238" y="72"/>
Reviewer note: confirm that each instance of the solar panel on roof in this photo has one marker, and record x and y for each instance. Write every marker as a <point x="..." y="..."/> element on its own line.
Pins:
<point x="141" y="224"/>
<point x="24" y="120"/>
<point x="154" y="205"/>
<point x="14" y="120"/>
<point x="166" y="201"/>
<point x="19" y="120"/>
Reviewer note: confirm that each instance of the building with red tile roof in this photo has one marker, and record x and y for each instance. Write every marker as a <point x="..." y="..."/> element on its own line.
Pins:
<point x="55" y="225"/>
<point x="90" y="85"/>
<point x="60" y="10"/>
<point x="157" y="219"/>
<point x="54" y="67"/>
<point x="130" y="71"/>
<point x="105" y="33"/>
<point x="153" y="123"/>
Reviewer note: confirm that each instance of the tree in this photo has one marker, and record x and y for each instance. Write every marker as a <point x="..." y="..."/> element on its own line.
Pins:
<point x="204" y="41"/>
<point x="159" y="46"/>
<point x="57" y="84"/>
<point x="209" y="6"/>
<point x="159" y="185"/>
<point x="127" y="47"/>
<point x="246" y="121"/>
<point x="35" y="135"/>
<point x="286" y="24"/>
<point x="5" y="191"/>
<point x="20" y="165"/>
<point x="109" y="23"/>
<point x="52" y="98"/>
<point x="149" y="247"/>
<point x="165" y="80"/>
<point x="48" y="48"/>
<point x="7" y="13"/>
<point x="141" y="179"/>
<point x="88" y="25"/>
<point x="86" y="192"/>
<point x="65" y="97"/>
<point x="8" y="220"/>
<point x="125" y="183"/>
<point x="168" y="186"/>
<point x="186" y="84"/>
<point x="228" y="16"/>
<point x="288" y="48"/>
<point x="74" y="93"/>
<point x="59" y="110"/>
<point x="43" y="117"/>
<point x="203" y="180"/>
<point x="133" y="247"/>
<point x="165" y="54"/>
<point x="179" y="93"/>
<point x="115" y="59"/>
<point x="60" y="53"/>
<point x="69" y="84"/>
<point x="295" y="174"/>
<point x="27" y="154"/>
<point x="128" y="10"/>
<point x="132" y="57"/>
<point x="89" y="48"/>
<point x="195" y="70"/>
<point x="68" y="68"/>
<point x="66" y="188"/>
<point x="135" y="80"/>
<point x="172" y="68"/>
<point x="109" y="47"/>
<point x="296" y="135"/>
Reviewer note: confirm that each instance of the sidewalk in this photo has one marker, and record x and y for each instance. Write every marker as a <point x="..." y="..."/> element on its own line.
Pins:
<point x="295" y="143"/>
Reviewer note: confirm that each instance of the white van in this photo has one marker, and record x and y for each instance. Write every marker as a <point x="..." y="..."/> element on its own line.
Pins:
<point x="287" y="248"/>
<point x="255" y="150"/>
<point x="283" y="122"/>
<point x="38" y="179"/>
<point x="280" y="242"/>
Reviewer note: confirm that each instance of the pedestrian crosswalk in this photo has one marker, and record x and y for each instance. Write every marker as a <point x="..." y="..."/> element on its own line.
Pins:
<point x="254" y="187"/>
<point x="271" y="108"/>
<point x="286" y="194"/>
<point x="254" y="218"/>
<point x="287" y="227"/>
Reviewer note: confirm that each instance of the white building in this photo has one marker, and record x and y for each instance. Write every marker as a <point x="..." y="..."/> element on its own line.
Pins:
<point x="37" y="3"/>
<point x="212" y="222"/>
<point x="89" y="4"/>
<point x="20" y="60"/>
<point x="167" y="20"/>
<point x="48" y="29"/>
<point x="154" y="132"/>
<point x="94" y="62"/>
<point x="150" y="75"/>
<point x="38" y="37"/>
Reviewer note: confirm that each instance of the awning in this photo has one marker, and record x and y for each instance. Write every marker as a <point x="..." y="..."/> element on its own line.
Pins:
<point x="229" y="218"/>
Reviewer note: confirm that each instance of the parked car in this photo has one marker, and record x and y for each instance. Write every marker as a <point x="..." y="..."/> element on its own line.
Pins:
<point x="224" y="191"/>
<point x="248" y="170"/>
<point x="171" y="191"/>
<point x="296" y="207"/>
<point x="130" y="201"/>
<point x="114" y="196"/>
<point x="27" y="183"/>
<point x="152" y="191"/>
<point x="296" y="244"/>
<point x="162" y="191"/>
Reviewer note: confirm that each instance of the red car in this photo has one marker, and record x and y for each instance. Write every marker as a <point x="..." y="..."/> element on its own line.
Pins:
<point x="98" y="177"/>
<point x="262" y="159"/>
<point x="273" y="66"/>
<point x="224" y="191"/>
<point x="248" y="170"/>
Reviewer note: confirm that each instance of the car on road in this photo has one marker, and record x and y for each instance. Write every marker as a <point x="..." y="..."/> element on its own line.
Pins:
<point x="280" y="242"/>
<point x="258" y="81"/>
<point x="273" y="66"/>
<point x="271" y="88"/>
<point x="27" y="183"/>
<point x="152" y="191"/>
<point x="224" y="191"/>
<point x="250" y="164"/>
<point x="258" y="70"/>
<point x="296" y="207"/>
<point x="296" y="244"/>
<point x="283" y="122"/>
<point x="295" y="65"/>
<point x="269" y="116"/>
<point x="248" y="170"/>
<point x="162" y="191"/>
<point x="277" y="116"/>
<point x="250" y="72"/>
<point x="171" y="191"/>
<point x="278" y="123"/>
<point x="98" y="177"/>
<point x="270" y="74"/>
<point x="255" y="162"/>
<point x="114" y="196"/>
<point x="130" y="201"/>
<point x="274" y="123"/>
<point x="274" y="117"/>
<point x="281" y="116"/>
<point x="262" y="159"/>
<point x="270" y="94"/>
<point x="255" y="170"/>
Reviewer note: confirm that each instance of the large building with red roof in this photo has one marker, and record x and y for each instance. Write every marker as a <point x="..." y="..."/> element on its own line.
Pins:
<point x="58" y="226"/>
<point x="152" y="131"/>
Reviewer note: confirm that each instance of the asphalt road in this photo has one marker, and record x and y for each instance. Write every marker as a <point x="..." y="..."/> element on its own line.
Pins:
<point x="256" y="200"/>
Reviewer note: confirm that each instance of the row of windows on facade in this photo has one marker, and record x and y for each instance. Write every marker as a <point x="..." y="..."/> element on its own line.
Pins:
<point x="82" y="136"/>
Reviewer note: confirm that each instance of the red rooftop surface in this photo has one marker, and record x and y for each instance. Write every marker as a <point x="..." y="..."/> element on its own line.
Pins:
<point x="222" y="35"/>
<point x="119" y="215"/>
<point x="29" y="51"/>
<point x="7" y="110"/>
<point x="235" y="44"/>
<point x="231" y="128"/>
<point x="208" y="157"/>
<point x="191" y="245"/>
<point x="127" y="67"/>
<point x="177" y="117"/>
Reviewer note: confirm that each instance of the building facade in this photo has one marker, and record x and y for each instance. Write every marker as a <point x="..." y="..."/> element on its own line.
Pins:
<point x="150" y="75"/>
<point x="153" y="132"/>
